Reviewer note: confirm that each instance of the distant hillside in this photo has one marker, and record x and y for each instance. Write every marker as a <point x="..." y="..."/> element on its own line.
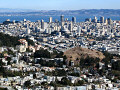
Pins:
<point x="95" y="12"/>
<point x="78" y="53"/>
<point x="6" y="10"/>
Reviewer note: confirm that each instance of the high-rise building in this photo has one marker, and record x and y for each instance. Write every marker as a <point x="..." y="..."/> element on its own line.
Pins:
<point x="102" y="19"/>
<point x="70" y="27"/>
<point x="42" y="24"/>
<point x="79" y="30"/>
<point x="74" y="19"/>
<point x="109" y="21"/>
<point x="106" y="21"/>
<point x="27" y="30"/>
<point x="50" y="19"/>
<point x="95" y="19"/>
<point x="62" y="18"/>
<point x="90" y="20"/>
<point x="46" y="30"/>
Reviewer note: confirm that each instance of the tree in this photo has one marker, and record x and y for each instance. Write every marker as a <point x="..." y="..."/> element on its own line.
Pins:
<point x="8" y="59"/>
<point x="107" y="58"/>
<point x="2" y="70"/>
<point x="116" y="65"/>
<point x="44" y="83"/>
<point x="75" y="74"/>
<point x="42" y="54"/>
<point x="64" y="59"/>
<point x="79" y="83"/>
<point x="89" y="61"/>
<point x="34" y="76"/>
<point x="27" y="84"/>
<point x="65" y="81"/>
<point x="60" y="72"/>
<point x="53" y="84"/>
<point x="59" y="55"/>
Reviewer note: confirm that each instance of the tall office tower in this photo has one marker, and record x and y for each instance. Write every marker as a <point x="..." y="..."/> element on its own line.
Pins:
<point x="95" y="19"/>
<point x="74" y="19"/>
<point x="50" y="19"/>
<point x="109" y="21"/>
<point x="46" y="30"/>
<point x="42" y="24"/>
<point x="62" y="18"/>
<point x="27" y="30"/>
<point x="79" y="30"/>
<point x="89" y="19"/>
<point x="102" y="19"/>
<point x="49" y="31"/>
<point x="106" y="21"/>
<point x="62" y="24"/>
<point x="70" y="27"/>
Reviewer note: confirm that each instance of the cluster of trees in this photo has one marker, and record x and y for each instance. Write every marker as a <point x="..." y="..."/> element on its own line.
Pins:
<point x="116" y="65"/>
<point x="8" y="73"/>
<point x="7" y="40"/>
<point x="115" y="69"/>
<point x="42" y="54"/>
<point x="50" y="63"/>
<point x="1" y="67"/>
<point x="75" y="74"/>
<point x="11" y="41"/>
<point x="46" y="63"/>
<point x="46" y="54"/>
<point x="27" y="83"/>
<point x="107" y="58"/>
<point x="89" y="61"/>
<point x="57" y="72"/>
<point x="65" y="81"/>
<point x="3" y="89"/>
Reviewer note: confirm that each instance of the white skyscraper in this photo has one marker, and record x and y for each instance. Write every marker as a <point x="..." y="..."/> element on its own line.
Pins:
<point x="79" y="30"/>
<point x="74" y="19"/>
<point x="27" y="30"/>
<point x="102" y="19"/>
<point x="70" y="27"/>
<point x="42" y="24"/>
<point x="50" y="20"/>
<point x="95" y="19"/>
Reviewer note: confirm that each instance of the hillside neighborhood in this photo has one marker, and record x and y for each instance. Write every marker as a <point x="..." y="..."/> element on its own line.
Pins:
<point x="60" y="55"/>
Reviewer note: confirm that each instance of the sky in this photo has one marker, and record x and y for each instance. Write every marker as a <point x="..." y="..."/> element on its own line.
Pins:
<point x="60" y="4"/>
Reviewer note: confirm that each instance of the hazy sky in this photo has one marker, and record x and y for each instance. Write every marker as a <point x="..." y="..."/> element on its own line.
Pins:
<point x="60" y="4"/>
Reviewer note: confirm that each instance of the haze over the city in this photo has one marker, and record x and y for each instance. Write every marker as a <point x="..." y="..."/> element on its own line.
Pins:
<point x="60" y="4"/>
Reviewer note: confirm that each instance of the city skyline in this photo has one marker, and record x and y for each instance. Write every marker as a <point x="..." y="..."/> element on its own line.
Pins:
<point x="60" y="4"/>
